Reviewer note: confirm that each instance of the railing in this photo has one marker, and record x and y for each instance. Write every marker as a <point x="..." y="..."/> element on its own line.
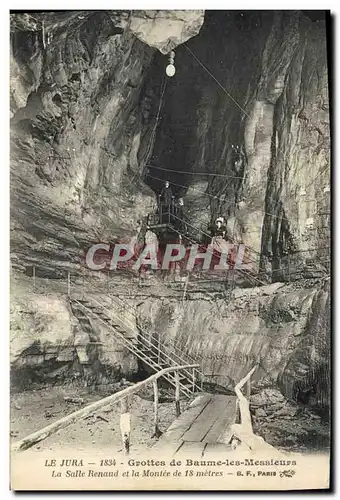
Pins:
<point x="253" y="257"/>
<point x="290" y="269"/>
<point x="166" y="351"/>
<point x="154" y="358"/>
<point x="242" y="405"/>
<point x="243" y="431"/>
<point x="123" y="397"/>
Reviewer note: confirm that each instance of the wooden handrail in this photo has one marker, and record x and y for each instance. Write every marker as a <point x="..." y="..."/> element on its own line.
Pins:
<point x="131" y="309"/>
<point x="143" y="334"/>
<point x="38" y="436"/>
<point x="243" y="431"/>
<point x="243" y="402"/>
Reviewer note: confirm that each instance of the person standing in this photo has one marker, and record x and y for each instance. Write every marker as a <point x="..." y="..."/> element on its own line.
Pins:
<point x="165" y="198"/>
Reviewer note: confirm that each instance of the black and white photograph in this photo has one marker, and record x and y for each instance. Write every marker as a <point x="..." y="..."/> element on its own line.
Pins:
<point x="170" y="250"/>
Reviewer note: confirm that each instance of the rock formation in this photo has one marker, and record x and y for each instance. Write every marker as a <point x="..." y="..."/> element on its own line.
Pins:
<point x="152" y="27"/>
<point x="95" y="130"/>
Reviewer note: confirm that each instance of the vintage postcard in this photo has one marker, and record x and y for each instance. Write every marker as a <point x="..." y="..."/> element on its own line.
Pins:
<point x="170" y="250"/>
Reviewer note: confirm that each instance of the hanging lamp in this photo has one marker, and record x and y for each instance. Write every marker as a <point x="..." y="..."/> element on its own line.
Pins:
<point x="170" y="70"/>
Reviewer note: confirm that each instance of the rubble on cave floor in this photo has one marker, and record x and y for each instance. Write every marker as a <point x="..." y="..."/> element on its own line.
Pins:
<point x="287" y="425"/>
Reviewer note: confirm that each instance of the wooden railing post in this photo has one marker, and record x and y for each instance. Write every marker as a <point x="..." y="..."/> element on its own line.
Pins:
<point x="156" y="432"/>
<point x="178" y="404"/>
<point x="193" y="380"/>
<point x="238" y="414"/>
<point x="125" y="428"/>
<point x="244" y="403"/>
<point x="90" y="409"/>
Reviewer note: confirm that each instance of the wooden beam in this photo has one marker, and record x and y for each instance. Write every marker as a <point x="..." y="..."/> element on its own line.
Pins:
<point x="38" y="436"/>
<point x="193" y="381"/>
<point x="125" y="426"/>
<point x="177" y="401"/>
<point x="181" y="425"/>
<point x="156" y="433"/>
<point x="243" y="403"/>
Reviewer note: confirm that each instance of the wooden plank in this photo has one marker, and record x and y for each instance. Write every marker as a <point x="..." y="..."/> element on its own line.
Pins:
<point x="223" y="422"/>
<point x="125" y="426"/>
<point x="184" y="422"/>
<point x="191" y="450"/>
<point x="206" y="419"/>
<point x="156" y="432"/>
<point x="177" y="401"/>
<point x="213" y="450"/>
<point x="166" y="448"/>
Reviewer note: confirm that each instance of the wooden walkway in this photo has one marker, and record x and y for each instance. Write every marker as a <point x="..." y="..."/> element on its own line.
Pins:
<point x="203" y="428"/>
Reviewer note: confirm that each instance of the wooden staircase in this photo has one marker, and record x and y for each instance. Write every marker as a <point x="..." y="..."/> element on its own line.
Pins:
<point x="155" y="354"/>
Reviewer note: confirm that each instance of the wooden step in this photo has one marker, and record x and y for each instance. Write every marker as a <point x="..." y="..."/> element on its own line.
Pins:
<point x="182" y="424"/>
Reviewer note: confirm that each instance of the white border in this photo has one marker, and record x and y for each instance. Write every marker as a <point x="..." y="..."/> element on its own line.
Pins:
<point x="4" y="173"/>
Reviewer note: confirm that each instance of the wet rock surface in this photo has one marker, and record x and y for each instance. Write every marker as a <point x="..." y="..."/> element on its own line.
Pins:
<point x="165" y="29"/>
<point x="92" y="140"/>
<point x="85" y="95"/>
<point x="269" y="326"/>
<point x="286" y="425"/>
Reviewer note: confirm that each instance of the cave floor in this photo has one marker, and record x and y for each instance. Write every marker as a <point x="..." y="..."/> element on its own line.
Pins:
<point x="35" y="409"/>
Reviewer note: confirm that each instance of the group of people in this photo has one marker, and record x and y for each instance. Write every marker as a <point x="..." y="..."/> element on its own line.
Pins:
<point x="171" y="211"/>
<point x="170" y="207"/>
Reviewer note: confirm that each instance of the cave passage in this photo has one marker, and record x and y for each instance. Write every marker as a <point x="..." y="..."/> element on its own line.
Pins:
<point x="199" y="122"/>
<point x="195" y="109"/>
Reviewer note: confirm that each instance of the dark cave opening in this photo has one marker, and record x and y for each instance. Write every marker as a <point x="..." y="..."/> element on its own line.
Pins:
<point x="229" y="45"/>
<point x="196" y="110"/>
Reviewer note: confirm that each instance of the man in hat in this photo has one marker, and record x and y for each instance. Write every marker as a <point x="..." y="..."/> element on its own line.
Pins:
<point x="165" y="200"/>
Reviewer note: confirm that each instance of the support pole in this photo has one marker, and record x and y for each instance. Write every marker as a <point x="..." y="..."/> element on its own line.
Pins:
<point x="238" y="414"/>
<point x="125" y="427"/>
<point x="156" y="432"/>
<point x="43" y="34"/>
<point x="33" y="274"/>
<point x="178" y="404"/>
<point x="193" y="380"/>
<point x="202" y="375"/>
<point x="68" y="283"/>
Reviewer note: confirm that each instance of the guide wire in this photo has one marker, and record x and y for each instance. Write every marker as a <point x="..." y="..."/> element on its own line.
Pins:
<point x="219" y="198"/>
